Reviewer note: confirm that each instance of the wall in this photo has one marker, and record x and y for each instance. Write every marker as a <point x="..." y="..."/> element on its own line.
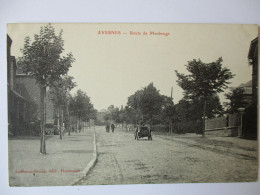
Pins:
<point x="30" y="90"/>
<point x="222" y="126"/>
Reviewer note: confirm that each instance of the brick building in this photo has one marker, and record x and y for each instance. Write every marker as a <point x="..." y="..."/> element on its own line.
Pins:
<point x="23" y="99"/>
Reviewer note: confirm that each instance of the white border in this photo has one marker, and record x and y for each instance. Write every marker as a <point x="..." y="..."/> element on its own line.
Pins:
<point x="146" y="11"/>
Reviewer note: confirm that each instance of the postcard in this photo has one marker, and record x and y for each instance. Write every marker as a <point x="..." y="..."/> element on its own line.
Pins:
<point x="122" y="103"/>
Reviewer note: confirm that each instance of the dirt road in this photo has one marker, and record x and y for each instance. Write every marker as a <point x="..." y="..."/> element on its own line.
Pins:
<point x="123" y="160"/>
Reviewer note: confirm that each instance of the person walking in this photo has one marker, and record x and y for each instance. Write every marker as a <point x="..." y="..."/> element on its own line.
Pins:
<point x="112" y="128"/>
<point x="107" y="128"/>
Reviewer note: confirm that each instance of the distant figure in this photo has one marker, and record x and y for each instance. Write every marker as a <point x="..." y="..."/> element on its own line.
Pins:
<point x="113" y="128"/>
<point x="107" y="128"/>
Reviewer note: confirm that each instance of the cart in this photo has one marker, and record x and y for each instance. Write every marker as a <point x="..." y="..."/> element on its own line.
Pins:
<point x="143" y="131"/>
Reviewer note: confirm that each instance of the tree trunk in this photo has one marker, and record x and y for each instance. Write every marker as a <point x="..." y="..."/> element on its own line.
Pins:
<point x="76" y="129"/>
<point x="170" y="126"/>
<point x="204" y="117"/>
<point x="68" y="120"/>
<point x="79" y="123"/>
<point x="58" y="117"/>
<point x="61" y="121"/>
<point x="43" y="119"/>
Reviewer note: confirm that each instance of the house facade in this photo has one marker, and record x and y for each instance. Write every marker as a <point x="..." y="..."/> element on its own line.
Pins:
<point x="230" y="125"/>
<point x="23" y="100"/>
<point x="253" y="60"/>
<point x="247" y="94"/>
<point x="250" y="116"/>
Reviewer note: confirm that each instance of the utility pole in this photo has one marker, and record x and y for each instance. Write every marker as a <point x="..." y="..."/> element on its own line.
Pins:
<point x="170" y="122"/>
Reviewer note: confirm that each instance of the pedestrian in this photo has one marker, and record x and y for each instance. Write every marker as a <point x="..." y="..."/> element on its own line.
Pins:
<point x="107" y="128"/>
<point x="113" y="128"/>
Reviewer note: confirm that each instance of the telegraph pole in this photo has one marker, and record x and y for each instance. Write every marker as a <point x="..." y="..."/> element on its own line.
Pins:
<point x="170" y="122"/>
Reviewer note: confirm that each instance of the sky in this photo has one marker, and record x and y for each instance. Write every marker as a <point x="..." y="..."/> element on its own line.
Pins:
<point x="111" y="67"/>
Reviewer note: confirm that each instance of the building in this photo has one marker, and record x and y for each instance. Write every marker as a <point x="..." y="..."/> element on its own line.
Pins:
<point x="247" y="94"/>
<point x="23" y="99"/>
<point x="250" y="116"/>
<point x="253" y="60"/>
<point x="30" y="90"/>
<point x="222" y="126"/>
<point x="17" y="104"/>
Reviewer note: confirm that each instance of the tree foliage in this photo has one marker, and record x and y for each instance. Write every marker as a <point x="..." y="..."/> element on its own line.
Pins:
<point x="59" y="91"/>
<point x="193" y="110"/>
<point x="236" y="100"/>
<point x="147" y="105"/>
<point x="81" y="106"/>
<point x="43" y="58"/>
<point x="59" y="94"/>
<point x="168" y="110"/>
<point x="205" y="79"/>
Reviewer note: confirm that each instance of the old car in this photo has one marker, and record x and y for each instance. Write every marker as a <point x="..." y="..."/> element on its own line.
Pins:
<point x="49" y="129"/>
<point x="143" y="131"/>
<point x="56" y="130"/>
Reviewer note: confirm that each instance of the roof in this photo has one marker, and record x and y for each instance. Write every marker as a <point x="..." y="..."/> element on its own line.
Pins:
<point x="9" y="40"/>
<point x="247" y="87"/>
<point x="247" y="84"/>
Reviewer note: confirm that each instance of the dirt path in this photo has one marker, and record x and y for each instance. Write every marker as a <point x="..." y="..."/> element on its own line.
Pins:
<point x="123" y="160"/>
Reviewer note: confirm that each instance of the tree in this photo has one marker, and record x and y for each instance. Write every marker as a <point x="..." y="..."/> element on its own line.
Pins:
<point x="151" y="104"/>
<point x="128" y="115"/>
<point x="43" y="60"/>
<point x="147" y="104"/>
<point x="59" y="94"/>
<point x="236" y="100"/>
<point x="133" y="110"/>
<point x="168" y="111"/>
<point x="213" y="107"/>
<point x="204" y="80"/>
<point x="189" y="113"/>
<point x="112" y="113"/>
<point x="81" y="107"/>
<point x="182" y="115"/>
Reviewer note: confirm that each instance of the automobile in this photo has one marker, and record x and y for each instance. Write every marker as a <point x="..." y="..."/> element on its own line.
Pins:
<point x="143" y="131"/>
<point x="56" y="130"/>
<point x="49" y="129"/>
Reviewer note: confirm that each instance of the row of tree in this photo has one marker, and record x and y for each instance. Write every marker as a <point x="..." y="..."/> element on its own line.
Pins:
<point x="77" y="106"/>
<point x="148" y="106"/>
<point x="81" y="108"/>
<point x="201" y="87"/>
<point x="44" y="60"/>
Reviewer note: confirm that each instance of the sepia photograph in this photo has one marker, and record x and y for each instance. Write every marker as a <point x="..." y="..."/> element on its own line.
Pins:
<point x="131" y="103"/>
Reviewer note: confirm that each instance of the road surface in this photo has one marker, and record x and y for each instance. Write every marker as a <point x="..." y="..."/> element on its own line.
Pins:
<point x="123" y="160"/>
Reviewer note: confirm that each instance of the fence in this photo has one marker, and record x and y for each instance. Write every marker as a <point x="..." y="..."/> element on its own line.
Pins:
<point x="222" y="126"/>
